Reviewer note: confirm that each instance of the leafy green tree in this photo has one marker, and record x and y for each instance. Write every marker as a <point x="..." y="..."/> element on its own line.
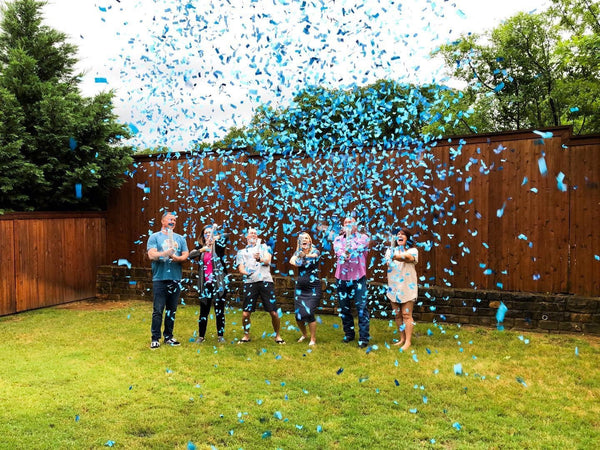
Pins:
<point x="384" y="113"/>
<point x="64" y="141"/>
<point x="579" y="56"/>
<point x="534" y="70"/>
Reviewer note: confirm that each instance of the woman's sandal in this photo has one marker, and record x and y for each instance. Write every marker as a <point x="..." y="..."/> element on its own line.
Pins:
<point x="301" y="338"/>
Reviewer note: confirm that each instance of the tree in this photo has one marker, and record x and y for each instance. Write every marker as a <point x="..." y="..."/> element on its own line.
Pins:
<point x="579" y="56"/>
<point x="534" y="70"/>
<point x="55" y="139"/>
<point x="384" y="113"/>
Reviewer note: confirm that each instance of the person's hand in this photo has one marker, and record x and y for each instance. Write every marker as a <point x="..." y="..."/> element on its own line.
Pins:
<point x="257" y="256"/>
<point x="204" y="249"/>
<point x="169" y="252"/>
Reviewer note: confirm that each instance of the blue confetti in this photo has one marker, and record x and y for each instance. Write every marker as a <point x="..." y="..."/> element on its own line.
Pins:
<point x="544" y="134"/>
<point x="78" y="190"/>
<point x="559" y="182"/>
<point x="501" y="313"/>
<point x="458" y="369"/>
<point x="124" y="262"/>
<point x="100" y="80"/>
<point x="542" y="166"/>
<point x="499" y="87"/>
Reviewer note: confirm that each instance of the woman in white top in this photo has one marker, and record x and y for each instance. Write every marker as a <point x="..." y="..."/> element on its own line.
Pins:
<point x="402" y="290"/>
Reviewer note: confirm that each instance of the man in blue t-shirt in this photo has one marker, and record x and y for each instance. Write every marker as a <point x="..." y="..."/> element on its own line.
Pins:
<point x="167" y="250"/>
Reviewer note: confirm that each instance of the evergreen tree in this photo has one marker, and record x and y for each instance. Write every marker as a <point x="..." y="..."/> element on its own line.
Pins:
<point x="59" y="139"/>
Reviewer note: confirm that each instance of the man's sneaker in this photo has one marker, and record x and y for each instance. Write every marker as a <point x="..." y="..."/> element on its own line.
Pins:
<point x="172" y="342"/>
<point x="347" y="339"/>
<point x="154" y="344"/>
<point x="363" y="344"/>
<point x="200" y="340"/>
<point x="221" y="340"/>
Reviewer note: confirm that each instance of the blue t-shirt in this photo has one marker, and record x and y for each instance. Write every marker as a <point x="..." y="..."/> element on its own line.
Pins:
<point x="164" y="268"/>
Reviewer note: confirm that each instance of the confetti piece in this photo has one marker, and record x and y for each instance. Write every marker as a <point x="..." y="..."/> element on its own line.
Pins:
<point x="110" y="443"/>
<point x="100" y="80"/>
<point x="559" y="182"/>
<point x="502" y="309"/>
<point x="124" y="262"/>
<point x="72" y="143"/>
<point x="542" y="166"/>
<point x="456" y="426"/>
<point x="458" y="369"/>
<point x="191" y="446"/>
<point x="576" y="351"/>
<point x="339" y="371"/>
<point x="544" y="134"/>
<point x="521" y="381"/>
<point x="78" y="190"/>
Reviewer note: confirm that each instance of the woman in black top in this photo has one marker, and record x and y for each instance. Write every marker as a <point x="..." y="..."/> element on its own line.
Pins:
<point x="308" y="286"/>
<point x="212" y="280"/>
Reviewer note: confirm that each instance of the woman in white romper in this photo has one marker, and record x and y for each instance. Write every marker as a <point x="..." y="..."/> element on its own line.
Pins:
<point x="402" y="289"/>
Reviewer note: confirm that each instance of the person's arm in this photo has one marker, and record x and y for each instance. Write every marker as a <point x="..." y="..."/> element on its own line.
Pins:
<point x="294" y="259"/>
<point x="339" y="248"/>
<point x="242" y="269"/>
<point x="181" y="258"/>
<point x="153" y="252"/>
<point x="405" y="257"/>
<point x="184" y="251"/>
<point x="265" y="257"/>
<point x="388" y="256"/>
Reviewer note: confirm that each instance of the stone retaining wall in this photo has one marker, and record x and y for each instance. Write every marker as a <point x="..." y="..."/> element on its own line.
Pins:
<point x="555" y="313"/>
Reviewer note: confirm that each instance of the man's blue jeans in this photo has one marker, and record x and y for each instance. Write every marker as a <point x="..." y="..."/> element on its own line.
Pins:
<point x="166" y="297"/>
<point x="354" y="290"/>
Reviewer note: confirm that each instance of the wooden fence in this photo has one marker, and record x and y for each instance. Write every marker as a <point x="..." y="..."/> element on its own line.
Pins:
<point x="505" y="211"/>
<point x="49" y="258"/>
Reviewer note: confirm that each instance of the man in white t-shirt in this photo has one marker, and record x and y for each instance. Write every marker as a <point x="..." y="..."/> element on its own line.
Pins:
<point x="254" y="264"/>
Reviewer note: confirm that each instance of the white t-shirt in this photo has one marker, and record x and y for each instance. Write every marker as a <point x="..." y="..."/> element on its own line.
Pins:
<point x="257" y="270"/>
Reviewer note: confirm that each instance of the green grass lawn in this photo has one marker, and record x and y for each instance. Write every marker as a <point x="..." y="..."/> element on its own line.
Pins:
<point x="83" y="376"/>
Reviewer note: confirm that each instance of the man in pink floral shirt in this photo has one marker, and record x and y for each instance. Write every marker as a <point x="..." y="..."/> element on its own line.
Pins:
<point x="351" y="249"/>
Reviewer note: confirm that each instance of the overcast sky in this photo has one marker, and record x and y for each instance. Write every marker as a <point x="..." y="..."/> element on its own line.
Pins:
<point x="187" y="71"/>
